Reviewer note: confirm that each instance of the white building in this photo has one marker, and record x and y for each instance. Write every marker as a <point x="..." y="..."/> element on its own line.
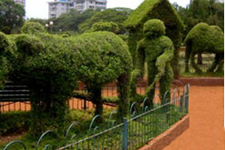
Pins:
<point x="58" y="7"/>
<point x="82" y="5"/>
<point x="221" y="1"/>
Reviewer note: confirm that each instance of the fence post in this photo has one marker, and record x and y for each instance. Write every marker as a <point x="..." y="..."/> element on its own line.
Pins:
<point x="181" y="103"/>
<point x="85" y="101"/>
<point x="125" y="135"/>
<point x="187" y="98"/>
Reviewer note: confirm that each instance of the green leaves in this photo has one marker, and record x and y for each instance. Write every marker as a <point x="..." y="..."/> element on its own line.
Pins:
<point x="32" y="28"/>
<point x="116" y="15"/>
<point x="6" y="56"/>
<point x="103" y="56"/>
<point x="11" y="15"/>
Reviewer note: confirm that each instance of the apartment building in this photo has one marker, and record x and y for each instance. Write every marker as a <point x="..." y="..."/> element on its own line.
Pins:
<point x="58" y="7"/>
<point x="221" y="1"/>
<point x="82" y="5"/>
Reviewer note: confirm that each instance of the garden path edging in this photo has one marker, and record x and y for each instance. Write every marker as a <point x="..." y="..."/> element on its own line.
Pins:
<point x="206" y="81"/>
<point x="168" y="136"/>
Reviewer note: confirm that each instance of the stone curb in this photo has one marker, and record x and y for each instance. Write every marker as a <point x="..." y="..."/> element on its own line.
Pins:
<point x="168" y="136"/>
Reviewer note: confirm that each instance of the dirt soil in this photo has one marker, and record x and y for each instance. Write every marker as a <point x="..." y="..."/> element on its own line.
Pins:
<point x="206" y="131"/>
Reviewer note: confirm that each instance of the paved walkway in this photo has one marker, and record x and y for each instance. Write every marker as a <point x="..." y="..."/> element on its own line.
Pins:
<point x="206" y="131"/>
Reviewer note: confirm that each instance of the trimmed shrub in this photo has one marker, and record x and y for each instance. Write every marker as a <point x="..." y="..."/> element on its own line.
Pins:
<point x="14" y="122"/>
<point x="103" y="57"/>
<point x="32" y="28"/>
<point x="6" y="56"/>
<point x="155" y="9"/>
<point x="47" y="65"/>
<point x="105" y="26"/>
<point x="157" y="51"/>
<point x="203" y="38"/>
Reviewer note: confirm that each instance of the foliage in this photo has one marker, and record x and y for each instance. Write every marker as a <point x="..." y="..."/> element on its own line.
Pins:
<point x="14" y="122"/>
<point x="157" y="50"/>
<point x="155" y="9"/>
<point x="71" y="20"/>
<point x="144" y="126"/>
<point x="41" y="21"/>
<point x="32" y="28"/>
<point x="11" y="15"/>
<point x="208" y="11"/>
<point x="47" y="65"/>
<point x="103" y="57"/>
<point x="154" y="28"/>
<point x="205" y="39"/>
<point x="6" y="56"/>
<point x="105" y="26"/>
<point x="116" y="15"/>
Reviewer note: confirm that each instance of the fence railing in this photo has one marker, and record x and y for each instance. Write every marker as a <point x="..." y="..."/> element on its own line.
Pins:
<point x="74" y="103"/>
<point x="110" y="133"/>
<point x="8" y="104"/>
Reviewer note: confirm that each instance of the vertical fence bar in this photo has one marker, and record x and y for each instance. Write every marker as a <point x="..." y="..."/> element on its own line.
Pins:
<point x="125" y="135"/>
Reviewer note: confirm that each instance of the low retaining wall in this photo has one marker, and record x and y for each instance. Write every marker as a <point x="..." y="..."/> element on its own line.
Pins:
<point x="207" y="81"/>
<point x="168" y="136"/>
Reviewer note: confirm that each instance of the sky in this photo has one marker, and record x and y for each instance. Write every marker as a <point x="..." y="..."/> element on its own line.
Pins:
<point x="39" y="8"/>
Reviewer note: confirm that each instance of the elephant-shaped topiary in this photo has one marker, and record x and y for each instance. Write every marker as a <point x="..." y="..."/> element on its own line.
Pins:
<point x="103" y="57"/>
<point x="158" y="51"/>
<point x="51" y="66"/>
<point x="205" y="39"/>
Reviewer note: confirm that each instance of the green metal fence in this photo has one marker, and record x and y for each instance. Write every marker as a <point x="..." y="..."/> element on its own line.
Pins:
<point x="110" y="133"/>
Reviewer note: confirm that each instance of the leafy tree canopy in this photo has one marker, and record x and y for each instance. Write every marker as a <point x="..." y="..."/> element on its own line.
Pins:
<point x="70" y="21"/>
<point x="11" y="15"/>
<point x="116" y="15"/>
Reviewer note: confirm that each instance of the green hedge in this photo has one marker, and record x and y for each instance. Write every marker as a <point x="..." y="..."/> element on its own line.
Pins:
<point x="14" y="122"/>
<point x="32" y="28"/>
<point x="6" y="57"/>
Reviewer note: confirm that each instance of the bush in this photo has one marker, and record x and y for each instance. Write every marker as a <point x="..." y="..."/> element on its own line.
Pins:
<point x="14" y="122"/>
<point x="105" y="26"/>
<point x="103" y="58"/>
<point x="32" y="28"/>
<point x="6" y="56"/>
<point x="47" y="65"/>
<point x="203" y="38"/>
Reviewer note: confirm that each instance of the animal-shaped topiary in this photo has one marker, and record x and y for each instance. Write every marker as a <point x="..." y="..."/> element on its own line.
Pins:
<point x="205" y="39"/>
<point x="103" y="57"/>
<point x="46" y="64"/>
<point x="157" y="50"/>
<point x="6" y="56"/>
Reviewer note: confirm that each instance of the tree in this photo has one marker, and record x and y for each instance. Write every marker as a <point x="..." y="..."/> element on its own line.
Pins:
<point x="71" y="20"/>
<point x="116" y="15"/>
<point x="11" y="15"/>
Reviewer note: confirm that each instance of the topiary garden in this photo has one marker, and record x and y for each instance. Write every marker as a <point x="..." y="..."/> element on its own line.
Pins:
<point x="51" y="65"/>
